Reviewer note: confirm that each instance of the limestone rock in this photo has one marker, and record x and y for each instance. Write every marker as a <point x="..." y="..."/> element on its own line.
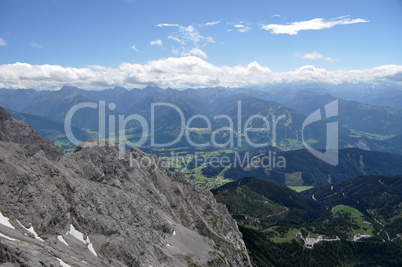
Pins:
<point x="103" y="205"/>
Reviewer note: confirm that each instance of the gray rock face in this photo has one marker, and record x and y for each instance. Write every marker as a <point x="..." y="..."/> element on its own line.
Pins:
<point x="22" y="133"/>
<point x="96" y="207"/>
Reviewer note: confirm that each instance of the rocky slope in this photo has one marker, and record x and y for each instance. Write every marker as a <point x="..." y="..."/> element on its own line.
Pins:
<point x="94" y="208"/>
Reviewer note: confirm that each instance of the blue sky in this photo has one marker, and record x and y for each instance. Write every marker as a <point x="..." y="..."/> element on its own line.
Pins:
<point x="281" y="35"/>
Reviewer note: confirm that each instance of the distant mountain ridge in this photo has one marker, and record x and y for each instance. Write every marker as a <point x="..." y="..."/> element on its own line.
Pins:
<point x="353" y="115"/>
<point x="373" y="124"/>
<point x="303" y="168"/>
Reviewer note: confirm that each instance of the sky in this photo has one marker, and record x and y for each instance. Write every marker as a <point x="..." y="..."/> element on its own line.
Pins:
<point x="46" y="44"/>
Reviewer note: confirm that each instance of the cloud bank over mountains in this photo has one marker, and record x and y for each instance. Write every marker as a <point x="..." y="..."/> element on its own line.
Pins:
<point x="183" y="72"/>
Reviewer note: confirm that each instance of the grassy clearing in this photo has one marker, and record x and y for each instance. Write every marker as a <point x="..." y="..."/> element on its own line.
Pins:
<point x="195" y="174"/>
<point x="290" y="235"/>
<point x="252" y="227"/>
<point x="359" y="134"/>
<point x="351" y="210"/>
<point x="300" y="188"/>
<point x="294" y="179"/>
<point x="287" y="238"/>
<point x="365" y="227"/>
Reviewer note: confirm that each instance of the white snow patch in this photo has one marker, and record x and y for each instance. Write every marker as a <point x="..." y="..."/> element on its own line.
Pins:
<point x="62" y="263"/>
<point x="5" y="221"/>
<point x="61" y="239"/>
<point x="31" y="230"/>
<point x="91" y="247"/>
<point x="80" y="236"/>
<point x="84" y="262"/>
<point x="174" y="232"/>
<point x="168" y="245"/>
<point x="77" y="234"/>
<point x="332" y="187"/>
<point x="313" y="197"/>
<point x="7" y="237"/>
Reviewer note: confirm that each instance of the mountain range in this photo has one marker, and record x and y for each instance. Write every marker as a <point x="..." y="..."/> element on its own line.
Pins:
<point x="362" y="125"/>
<point x="300" y="167"/>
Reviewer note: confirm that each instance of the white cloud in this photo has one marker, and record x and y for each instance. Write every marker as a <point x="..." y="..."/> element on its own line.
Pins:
<point x="245" y="29"/>
<point x="42" y="76"/>
<point x="190" y="34"/>
<point x="275" y="16"/>
<point x="194" y="52"/>
<point x="156" y="42"/>
<point x="36" y="45"/>
<point x="315" y="55"/>
<point x="190" y="40"/>
<point x="182" y="72"/>
<point x="134" y="48"/>
<point x="167" y="25"/>
<point x="212" y="23"/>
<point x="241" y="27"/>
<point x="179" y="40"/>
<point x="3" y="42"/>
<point x="313" y="24"/>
